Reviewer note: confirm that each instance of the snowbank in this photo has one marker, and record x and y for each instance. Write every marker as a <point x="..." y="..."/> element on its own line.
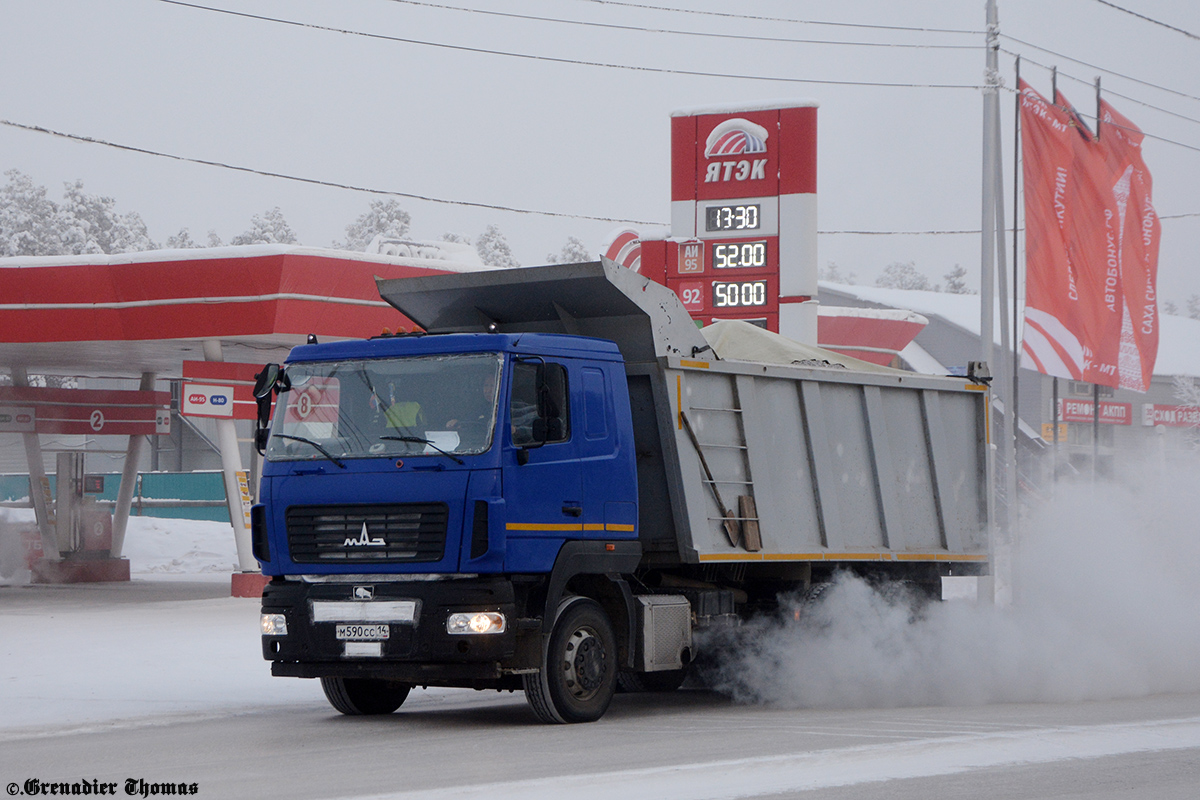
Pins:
<point x="176" y="548"/>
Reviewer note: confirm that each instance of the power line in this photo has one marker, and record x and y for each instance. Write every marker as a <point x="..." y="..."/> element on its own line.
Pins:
<point x="703" y="34"/>
<point x="1107" y="91"/>
<point x="730" y="15"/>
<point x="1098" y="67"/>
<point x="973" y="232"/>
<point x="1148" y="19"/>
<point x="898" y="233"/>
<point x="556" y="60"/>
<point x="1114" y="124"/>
<point x="465" y="203"/>
<point x="313" y="181"/>
<point x="1148" y="105"/>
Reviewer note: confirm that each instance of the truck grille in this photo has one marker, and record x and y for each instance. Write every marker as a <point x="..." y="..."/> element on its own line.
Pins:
<point x="397" y="532"/>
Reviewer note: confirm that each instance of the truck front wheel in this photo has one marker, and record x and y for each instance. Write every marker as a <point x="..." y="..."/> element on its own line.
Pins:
<point x="579" y="666"/>
<point x="358" y="696"/>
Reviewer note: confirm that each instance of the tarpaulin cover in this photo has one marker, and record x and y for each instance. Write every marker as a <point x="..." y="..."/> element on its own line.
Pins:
<point x="738" y="340"/>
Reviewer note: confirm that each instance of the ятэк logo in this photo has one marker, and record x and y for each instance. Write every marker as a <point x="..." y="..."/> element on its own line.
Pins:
<point x="735" y="137"/>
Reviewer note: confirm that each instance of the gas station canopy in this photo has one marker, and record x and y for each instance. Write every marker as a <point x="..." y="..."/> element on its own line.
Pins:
<point x="142" y="315"/>
<point x="148" y="312"/>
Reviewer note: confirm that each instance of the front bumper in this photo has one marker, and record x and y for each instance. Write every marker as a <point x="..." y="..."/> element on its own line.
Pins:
<point x="420" y="651"/>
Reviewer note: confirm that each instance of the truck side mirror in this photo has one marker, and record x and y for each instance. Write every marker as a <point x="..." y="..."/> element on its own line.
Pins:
<point x="265" y="384"/>
<point x="264" y="381"/>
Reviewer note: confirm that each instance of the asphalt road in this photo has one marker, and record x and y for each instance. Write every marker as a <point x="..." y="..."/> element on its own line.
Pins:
<point x="242" y="734"/>
<point x="689" y="744"/>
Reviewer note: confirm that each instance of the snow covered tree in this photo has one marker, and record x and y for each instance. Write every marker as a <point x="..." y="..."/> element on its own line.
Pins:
<point x="493" y="249"/>
<point x="1188" y="394"/>
<point x="90" y="223"/>
<point x="384" y="217"/>
<point x="182" y="241"/>
<point x="903" y="275"/>
<point x="1170" y="308"/>
<point x="214" y="240"/>
<point x="28" y="220"/>
<point x="833" y="273"/>
<point x="1193" y="307"/>
<point x="573" y="252"/>
<point x="954" y="280"/>
<point x="457" y="238"/>
<point x="268" y="228"/>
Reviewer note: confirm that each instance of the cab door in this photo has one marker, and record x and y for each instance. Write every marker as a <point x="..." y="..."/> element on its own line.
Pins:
<point x="542" y="474"/>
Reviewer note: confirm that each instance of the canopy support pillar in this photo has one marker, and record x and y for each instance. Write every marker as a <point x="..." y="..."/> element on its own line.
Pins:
<point x="129" y="474"/>
<point x="231" y="465"/>
<point x="37" y="481"/>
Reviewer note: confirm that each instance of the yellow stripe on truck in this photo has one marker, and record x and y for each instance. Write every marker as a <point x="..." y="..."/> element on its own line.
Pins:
<point x="568" y="526"/>
<point x="544" y="526"/>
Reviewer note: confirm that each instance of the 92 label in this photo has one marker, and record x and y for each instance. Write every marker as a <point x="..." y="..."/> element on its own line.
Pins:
<point x="692" y="295"/>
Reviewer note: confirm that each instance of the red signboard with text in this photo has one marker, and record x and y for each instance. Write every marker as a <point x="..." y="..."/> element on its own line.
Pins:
<point x="743" y="189"/>
<point x="1083" y="411"/>
<point x="34" y="409"/>
<point x="1171" y="416"/>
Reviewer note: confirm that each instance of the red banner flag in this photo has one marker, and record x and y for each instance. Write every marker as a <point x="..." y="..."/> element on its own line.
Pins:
<point x="1140" y="232"/>
<point x="1091" y="247"/>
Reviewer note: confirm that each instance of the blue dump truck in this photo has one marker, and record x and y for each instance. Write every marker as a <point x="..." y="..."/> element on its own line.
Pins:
<point x="560" y="480"/>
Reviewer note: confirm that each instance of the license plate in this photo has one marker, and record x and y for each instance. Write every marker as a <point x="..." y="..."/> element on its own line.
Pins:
<point x="363" y="633"/>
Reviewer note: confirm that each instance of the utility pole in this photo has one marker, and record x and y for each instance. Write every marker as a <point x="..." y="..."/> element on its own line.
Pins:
<point x="991" y="234"/>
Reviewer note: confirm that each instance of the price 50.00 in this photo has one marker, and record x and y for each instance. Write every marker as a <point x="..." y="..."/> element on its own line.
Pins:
<point x="742" y="293"/>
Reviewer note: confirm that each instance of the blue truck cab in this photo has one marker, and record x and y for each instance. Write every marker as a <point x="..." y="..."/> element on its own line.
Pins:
<point x="441" y="478"/>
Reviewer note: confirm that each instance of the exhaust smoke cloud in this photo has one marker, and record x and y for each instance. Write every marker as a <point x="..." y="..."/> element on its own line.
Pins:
<point x="1106" y="605"/>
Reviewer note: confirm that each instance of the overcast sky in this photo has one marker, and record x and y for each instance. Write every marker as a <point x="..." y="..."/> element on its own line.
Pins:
<point x="540" y="133"/>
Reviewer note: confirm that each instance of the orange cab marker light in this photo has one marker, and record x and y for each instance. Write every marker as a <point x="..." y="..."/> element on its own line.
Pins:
<point x="610" y="547"/>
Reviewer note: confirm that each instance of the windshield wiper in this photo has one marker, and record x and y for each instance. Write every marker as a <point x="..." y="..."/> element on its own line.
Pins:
<point x="420" y="440"/>
<point x="320" y="449"/>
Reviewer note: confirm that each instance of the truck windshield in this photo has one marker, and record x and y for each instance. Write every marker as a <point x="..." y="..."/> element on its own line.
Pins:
<point x="429" y="405"/>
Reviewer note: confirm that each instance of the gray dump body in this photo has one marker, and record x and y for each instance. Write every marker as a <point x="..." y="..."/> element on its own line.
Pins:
<point x="838" y="465"/>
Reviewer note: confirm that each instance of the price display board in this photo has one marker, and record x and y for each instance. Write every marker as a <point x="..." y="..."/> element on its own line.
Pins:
<point x="739" y="294"/>
<point x="739" y="255"/>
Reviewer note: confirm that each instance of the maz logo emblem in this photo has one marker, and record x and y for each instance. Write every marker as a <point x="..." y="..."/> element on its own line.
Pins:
<point x="364" y="593"/>
<point x="364" y="540"/>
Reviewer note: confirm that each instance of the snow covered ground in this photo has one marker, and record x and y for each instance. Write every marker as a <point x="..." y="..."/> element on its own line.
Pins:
<point x="169" y="644"/>
<point x="169" y="665"/>
<point x="199" y="549"/>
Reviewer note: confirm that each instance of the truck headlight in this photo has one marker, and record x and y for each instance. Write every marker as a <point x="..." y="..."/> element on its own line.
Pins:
<point x="274" y="625"/>
<point x="476" y="622"/>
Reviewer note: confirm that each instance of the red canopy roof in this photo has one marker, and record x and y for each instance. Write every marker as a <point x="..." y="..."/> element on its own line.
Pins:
<point x="137" y="311"/>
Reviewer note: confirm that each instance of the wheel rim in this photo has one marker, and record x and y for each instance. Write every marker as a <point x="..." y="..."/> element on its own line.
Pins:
<point x="584" y="663"/>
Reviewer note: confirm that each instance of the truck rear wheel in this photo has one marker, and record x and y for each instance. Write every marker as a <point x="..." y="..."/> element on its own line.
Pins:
<point x="359" y="696"/>
<point x="579" y="666"/>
